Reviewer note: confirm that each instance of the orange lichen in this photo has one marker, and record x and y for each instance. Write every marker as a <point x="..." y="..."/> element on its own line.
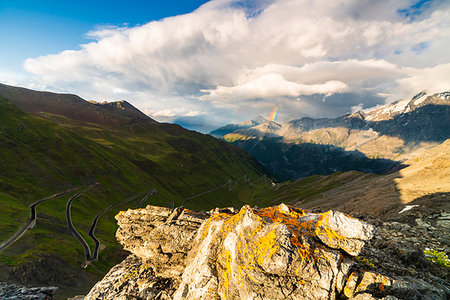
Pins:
<point x="371" y="277"/>
<point x="292" y="218"/>
<point x="254" y="247"/>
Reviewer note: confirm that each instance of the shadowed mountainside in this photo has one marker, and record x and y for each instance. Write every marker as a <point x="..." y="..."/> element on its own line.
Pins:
<point x="287" y="161"/>
<point x="425" y="181"/>
<point x="395" y="132"/>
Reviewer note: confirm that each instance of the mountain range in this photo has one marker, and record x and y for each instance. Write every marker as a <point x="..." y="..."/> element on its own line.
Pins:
<point x="375" y="141"/>
<point x="69" y="166"/>
<point x="52" y="143"/>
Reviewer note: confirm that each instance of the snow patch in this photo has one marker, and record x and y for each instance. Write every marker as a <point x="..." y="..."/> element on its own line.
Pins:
<point x="407" y="207"/>
<point x="420" y="99"/>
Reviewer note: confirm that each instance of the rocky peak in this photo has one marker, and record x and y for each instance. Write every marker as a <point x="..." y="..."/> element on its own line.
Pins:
<point x="358" y="115"/>
<point x="258" y="120"/>
<point x="268" y="128"/>
<point x="270" y="253"/>
<point x="406" y="106"/>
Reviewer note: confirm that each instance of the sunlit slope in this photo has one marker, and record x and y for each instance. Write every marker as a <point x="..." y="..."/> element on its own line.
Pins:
<point x="128" y="154"/>
<point x="372" y="141"/>
<point x="425" y="181"/>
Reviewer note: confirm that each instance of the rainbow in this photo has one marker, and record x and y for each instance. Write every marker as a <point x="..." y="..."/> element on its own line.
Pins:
<point x="273" y="114"/>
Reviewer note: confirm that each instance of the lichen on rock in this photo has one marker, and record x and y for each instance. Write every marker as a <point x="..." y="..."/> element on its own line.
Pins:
<point x="278" y="252"/>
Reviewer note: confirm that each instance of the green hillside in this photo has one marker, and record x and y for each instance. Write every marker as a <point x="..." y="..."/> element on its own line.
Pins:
<point x="127" y="153"/>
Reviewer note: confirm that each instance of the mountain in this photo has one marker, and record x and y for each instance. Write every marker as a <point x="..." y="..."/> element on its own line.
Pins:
<point x="423" y="182"/>
<point x="374" y="141"/>
<point x="222" y="131"/>
<point x="52" y="143"/>
<point x="74" y="108"/>
<point x="396" y="249"/>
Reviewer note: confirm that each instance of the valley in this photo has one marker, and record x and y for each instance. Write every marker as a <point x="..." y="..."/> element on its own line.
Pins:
<point x="371" y="142"/>
<point x="53" y="142"/>
<point x="106" y="158"/>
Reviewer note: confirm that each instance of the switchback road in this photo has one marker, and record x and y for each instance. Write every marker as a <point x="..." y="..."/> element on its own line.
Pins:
<point x="91" y="232"/>
<point x="72" y="229"/>
<point x="31" y="221"/>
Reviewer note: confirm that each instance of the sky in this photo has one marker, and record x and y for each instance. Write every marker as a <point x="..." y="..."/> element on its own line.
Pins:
<point x="204" y="64"/>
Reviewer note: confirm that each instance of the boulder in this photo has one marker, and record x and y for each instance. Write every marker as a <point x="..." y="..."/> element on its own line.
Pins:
<point x="278" y="252"/>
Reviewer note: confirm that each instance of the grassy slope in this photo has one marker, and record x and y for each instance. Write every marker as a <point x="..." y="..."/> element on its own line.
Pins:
<point x="423" y="182"/>
<point x="301" y="192"/>
<point x="50" y="153"/>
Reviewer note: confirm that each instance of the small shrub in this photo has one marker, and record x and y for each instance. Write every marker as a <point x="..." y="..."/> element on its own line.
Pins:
<point x="437" y="257"/>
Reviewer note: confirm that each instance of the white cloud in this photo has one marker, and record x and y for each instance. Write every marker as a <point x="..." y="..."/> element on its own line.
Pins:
<point x="271" y="85"/>
<point x="356" y="108"/>
<point x="228" y="55"/>
<point x="170" y="113"/>
<point x="432" y="80"/>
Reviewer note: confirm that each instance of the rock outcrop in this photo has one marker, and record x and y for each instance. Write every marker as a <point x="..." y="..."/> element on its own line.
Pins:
<point x="10" y="291"/>
<point x="271" y="253"/>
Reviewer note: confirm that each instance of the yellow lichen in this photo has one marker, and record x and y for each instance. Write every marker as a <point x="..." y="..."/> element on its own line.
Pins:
<point x="266" y="246"/>
<point x="227" y="269"/>
<point x="323" y="229"/>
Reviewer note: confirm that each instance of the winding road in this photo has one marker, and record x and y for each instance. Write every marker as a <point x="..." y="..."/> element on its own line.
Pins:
<point x="72" y="229"/>
<point x="33" y="216"/>
<point x="89" y="257"/>
<point x="32" y="220"/>
<point x="91" y="232"/>
<point x="150" y="193"/>
<point x="230" y="187"/>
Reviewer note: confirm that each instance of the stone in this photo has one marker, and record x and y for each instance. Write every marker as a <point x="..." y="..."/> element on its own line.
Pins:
<point x="277" y="252"/>
<point x="9" y="291"/>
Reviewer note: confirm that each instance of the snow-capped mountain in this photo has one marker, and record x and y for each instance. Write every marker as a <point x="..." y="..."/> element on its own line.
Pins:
<point x="395" y="132"/>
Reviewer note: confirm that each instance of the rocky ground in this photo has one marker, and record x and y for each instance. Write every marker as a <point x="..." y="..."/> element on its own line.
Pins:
<point x="14" y="292"/>
<point x="414" y="250"/>
<point x="278" y="253"/>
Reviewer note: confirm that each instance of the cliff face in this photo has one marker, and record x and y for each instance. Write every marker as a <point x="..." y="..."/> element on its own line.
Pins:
<point x="271" y="253"/>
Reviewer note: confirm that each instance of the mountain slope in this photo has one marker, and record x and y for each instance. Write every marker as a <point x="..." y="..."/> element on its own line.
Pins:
<point x="222" y="131"/>
<point x="424" y="182"/>
<point x="73" y="107"/>
<point x="59" y="147"/>
<point x="394" y="133"/>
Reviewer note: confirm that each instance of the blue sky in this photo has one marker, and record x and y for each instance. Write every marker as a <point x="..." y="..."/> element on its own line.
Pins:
<point x="31" y="28"/>
<point x="205" y="64"/>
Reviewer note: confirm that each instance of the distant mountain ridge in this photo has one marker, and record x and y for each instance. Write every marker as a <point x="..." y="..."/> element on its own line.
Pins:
<point x="395" y="132"/>
<point x="222" y="131"/>
<point x="405" y="106"/>
<point x="74" y="107"/>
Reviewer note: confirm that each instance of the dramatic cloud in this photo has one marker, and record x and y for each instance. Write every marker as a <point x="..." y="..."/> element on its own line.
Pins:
<point x="231" y="60"/>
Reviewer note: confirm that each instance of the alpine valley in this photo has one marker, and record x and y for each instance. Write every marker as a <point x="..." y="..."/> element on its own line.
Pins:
<point x="356" y="207"/>
<point x="53" y="143"/>
<point x="375" y="141"/>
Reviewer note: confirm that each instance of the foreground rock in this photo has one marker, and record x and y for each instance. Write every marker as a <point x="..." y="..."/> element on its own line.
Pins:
<point x="12" y="291"/>
<point x="271" y="253"/>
